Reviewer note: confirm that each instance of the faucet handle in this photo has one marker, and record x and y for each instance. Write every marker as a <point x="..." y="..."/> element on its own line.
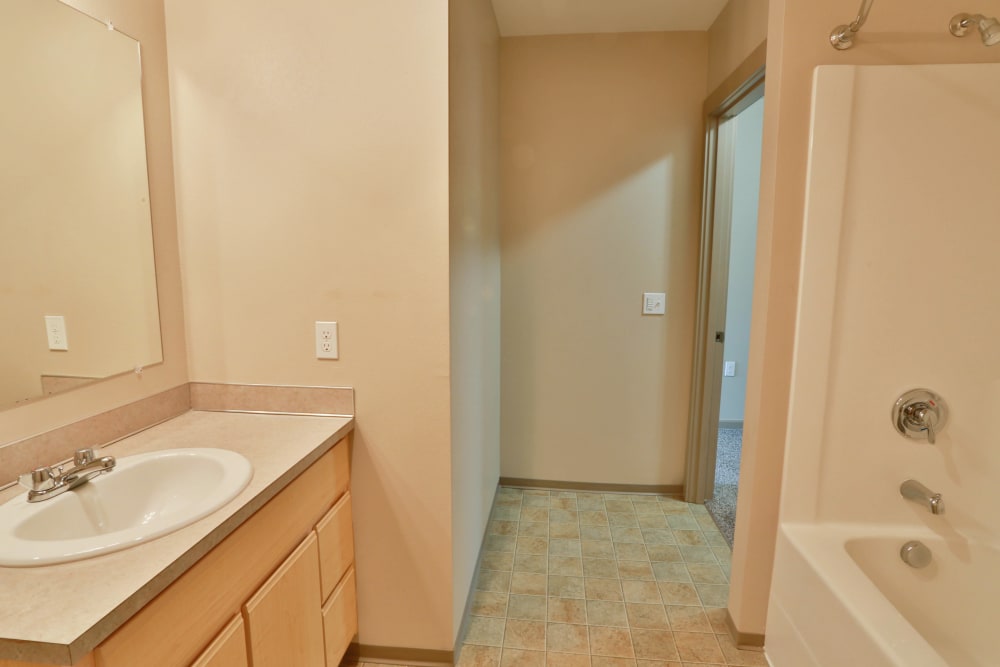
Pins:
<point x="82" y="457"/>
<point x="920" y="413"/>
<point x="923" y="417"/>
<point x="929" y="419"/>
<point x="38" y="479"/>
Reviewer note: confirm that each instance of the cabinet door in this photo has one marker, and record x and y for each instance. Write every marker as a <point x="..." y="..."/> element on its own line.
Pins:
<point x="228" y="650"/>
<point x="283" y="618"/>
<point x="336" y="544"/>
<point x="340" y="619"/>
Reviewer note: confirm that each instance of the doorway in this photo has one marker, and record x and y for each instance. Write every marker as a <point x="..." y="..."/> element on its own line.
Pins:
<point x="732" y="184"/>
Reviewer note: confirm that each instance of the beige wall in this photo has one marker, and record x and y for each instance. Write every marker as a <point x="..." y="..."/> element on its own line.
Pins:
<point x="739" y="29"/>
<point x="74" y="201"/>
<point x="311" y="141"/>
<point x="601" y="151"/>
<point x="144" y="21"/>
<point x="897" y="32"/>
<point x="475" y="282"/>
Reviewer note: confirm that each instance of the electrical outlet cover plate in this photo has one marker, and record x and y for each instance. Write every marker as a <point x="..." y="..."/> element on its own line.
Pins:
<point x="55" y="329"/>
<point x="326" y="341"/>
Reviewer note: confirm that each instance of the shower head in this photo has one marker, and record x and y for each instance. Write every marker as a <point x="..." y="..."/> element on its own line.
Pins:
<point x="989" y="28"/>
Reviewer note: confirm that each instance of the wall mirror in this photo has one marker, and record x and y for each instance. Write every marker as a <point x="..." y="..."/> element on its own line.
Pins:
<point x="75" y="230"/>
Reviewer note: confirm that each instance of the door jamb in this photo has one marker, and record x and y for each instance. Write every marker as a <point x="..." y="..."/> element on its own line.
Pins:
<point x="707" y="368"/>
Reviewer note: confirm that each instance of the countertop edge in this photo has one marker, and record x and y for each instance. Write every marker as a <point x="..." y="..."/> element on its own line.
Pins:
<point x="69" y="655"/>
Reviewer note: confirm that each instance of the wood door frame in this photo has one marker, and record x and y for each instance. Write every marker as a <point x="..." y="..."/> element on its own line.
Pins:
<point x="706" y="378"/>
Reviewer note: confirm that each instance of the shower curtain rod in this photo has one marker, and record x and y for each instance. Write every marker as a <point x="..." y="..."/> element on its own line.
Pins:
<point x="842" y="36"/>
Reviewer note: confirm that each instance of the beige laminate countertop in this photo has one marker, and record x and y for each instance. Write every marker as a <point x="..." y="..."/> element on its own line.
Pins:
<point x="57" y="614"/>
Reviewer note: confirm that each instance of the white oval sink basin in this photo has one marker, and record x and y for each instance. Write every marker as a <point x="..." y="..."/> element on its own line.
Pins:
<point x="144" y="497"/>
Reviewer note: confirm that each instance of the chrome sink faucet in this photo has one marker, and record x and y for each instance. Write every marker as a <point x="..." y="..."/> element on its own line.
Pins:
<point x="46" y="482"/>
<point x="913" y="490"/>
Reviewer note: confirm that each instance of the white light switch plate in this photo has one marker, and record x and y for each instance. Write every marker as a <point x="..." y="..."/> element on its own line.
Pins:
<point x="729" y="369"/>
<point x="654" y="303"/>
<point x="326" y="340"/>
<point x="55" y="329"/>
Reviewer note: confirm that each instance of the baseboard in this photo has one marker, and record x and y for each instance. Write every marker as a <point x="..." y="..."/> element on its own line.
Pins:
<point x="396" y="655"/>
<point x="463" y="629"/>
<point x="747" y="641"/>
<point x="731" y="423"/>
<point x="672" y="490"/>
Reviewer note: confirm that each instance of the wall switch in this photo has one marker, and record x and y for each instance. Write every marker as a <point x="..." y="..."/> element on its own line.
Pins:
<point x="654" y="303"/>
<point x="729" y="369"/>
<point x="326" y="340"/>
<point x="55" y="328"/>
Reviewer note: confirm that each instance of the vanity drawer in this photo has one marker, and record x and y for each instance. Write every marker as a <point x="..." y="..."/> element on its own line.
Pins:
<point x="336" y="544"/>
<point x="340" y="619"/>
<point x="228" y="650"/>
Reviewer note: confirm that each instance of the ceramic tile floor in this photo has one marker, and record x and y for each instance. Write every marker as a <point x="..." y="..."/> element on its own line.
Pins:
<point x="573" y="579"/>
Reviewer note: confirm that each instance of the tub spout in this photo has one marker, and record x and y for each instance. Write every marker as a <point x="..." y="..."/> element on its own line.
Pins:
<point x="913" y="490"/>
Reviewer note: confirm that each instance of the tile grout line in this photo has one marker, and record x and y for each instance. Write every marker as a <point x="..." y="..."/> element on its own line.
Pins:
<point x="628" y="621"/>
<point x="583" y="573"/>
<point x="548" y="543"/>
<point x="510" y="582"/>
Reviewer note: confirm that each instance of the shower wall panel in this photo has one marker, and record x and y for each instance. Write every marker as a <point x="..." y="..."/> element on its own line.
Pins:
<point x="900" y="289"/>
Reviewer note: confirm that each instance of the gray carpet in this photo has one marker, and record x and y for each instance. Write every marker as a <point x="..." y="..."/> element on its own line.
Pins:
<point x="722" y="506"/>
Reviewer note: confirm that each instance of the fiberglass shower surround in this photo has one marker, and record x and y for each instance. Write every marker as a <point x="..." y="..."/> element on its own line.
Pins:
<point x="899" y="289"/>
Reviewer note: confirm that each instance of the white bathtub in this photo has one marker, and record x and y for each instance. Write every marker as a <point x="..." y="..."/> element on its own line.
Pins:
<point x="846" y="598"/>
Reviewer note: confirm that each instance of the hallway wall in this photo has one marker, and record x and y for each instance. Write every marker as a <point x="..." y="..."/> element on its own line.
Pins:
<point x="601" y="153"/>
<point x="739" y="29"/>
<point x="474" y="277"/>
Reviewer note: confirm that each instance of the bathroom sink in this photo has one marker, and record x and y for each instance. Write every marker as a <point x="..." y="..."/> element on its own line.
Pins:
<point x="144" y="497"/>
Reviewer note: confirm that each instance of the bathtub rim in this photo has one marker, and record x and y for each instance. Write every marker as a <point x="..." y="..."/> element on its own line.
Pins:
<point x="824" y="547"/>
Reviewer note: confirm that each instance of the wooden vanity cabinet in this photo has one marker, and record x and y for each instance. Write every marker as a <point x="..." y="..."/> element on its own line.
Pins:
<point x="268" y="574"/>
<point x="228" y="650"/>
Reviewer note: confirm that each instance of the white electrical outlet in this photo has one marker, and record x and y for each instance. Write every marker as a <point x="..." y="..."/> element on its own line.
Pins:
<point x="326" y="340"/>
<point x="55" y="329"/>
<point x="654" y="303"/>
<point x="729" y="369"/>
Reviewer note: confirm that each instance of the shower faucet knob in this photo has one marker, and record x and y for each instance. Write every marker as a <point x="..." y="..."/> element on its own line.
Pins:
<point x="919" y="414"/>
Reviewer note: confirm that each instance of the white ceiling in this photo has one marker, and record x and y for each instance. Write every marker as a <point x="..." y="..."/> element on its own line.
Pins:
<point x="561" y="17"/>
